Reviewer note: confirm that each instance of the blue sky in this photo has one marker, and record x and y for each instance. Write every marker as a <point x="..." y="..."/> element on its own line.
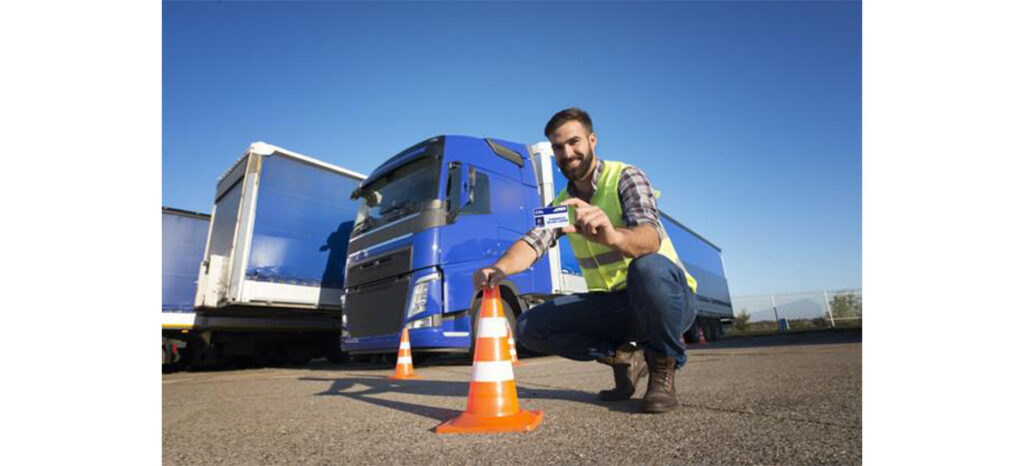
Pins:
<point x="746" y="115"/>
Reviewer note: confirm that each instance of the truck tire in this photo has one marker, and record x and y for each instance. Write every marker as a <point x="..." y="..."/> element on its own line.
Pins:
<point x="510" y="315"/>
<point x="337" y="357"/>
<point x="420" y="358"/>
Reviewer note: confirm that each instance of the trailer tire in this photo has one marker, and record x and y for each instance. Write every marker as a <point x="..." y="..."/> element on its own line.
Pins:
<point x="334" y="353"/>
<point x="300" y="355"/>
<point x="244" y="362"/>
<point x="690" y="335"/>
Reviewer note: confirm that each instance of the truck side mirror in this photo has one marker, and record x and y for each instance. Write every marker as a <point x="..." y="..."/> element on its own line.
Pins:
<point x="461" y="188"/>
<point x="453" y="192"/>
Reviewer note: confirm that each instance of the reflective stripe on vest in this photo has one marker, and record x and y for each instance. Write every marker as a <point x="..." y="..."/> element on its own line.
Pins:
<point x="604" y="269"/>
<point x="607" y="258"/>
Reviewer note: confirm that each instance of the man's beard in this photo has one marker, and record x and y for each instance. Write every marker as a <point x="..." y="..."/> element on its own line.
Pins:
<point x="576" y="174"/>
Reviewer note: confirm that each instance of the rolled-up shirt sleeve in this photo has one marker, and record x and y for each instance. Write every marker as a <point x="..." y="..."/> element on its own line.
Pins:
<point x="541" y="239"/>
<point x="639" y="204"/>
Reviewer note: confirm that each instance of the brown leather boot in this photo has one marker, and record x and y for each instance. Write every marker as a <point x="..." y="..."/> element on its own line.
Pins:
<point x="661" y="385"/>
<point x="628" y="366"/>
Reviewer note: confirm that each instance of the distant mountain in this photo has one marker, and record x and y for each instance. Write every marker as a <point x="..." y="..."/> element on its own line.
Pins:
<point x="760" y="309"/>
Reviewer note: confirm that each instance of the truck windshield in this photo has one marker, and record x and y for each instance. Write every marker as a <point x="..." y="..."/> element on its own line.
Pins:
<point x="400" y="193"/>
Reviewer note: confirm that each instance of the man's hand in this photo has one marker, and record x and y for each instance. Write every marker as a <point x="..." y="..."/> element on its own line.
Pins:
<point x="487" y="277"/>
<point x="593" y="224"/>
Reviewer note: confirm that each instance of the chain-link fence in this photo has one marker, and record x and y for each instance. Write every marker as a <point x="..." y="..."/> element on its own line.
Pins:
<point x="785" y="311"/>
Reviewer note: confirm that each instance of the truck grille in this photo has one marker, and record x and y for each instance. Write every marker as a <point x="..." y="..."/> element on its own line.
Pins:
<point x="378" y="267"/>
<point x="377" y="308"/>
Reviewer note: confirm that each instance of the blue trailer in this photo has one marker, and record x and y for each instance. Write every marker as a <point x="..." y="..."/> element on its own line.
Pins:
<point x="271" y="279"/>
<point x="437" y="211"/>
<point x="183" y="240"/>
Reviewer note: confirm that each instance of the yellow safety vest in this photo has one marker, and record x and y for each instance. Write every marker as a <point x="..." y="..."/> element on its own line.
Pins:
<point x="604" y="268"/>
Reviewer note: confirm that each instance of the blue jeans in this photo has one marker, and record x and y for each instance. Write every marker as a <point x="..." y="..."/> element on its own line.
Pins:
<point x="654" y="310"/>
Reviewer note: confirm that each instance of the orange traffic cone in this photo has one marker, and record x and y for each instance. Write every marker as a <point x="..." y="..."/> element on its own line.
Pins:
<point x="700" y="336"/>
<point x="512" y="346"/>
<point x="493" y="405"/>
<point x="403" y="367"/>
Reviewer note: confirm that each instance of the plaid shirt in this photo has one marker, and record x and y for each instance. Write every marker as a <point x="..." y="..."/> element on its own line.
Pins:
<point x="638" y="207"/>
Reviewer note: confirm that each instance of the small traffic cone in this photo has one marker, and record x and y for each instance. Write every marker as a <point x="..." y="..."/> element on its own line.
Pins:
<point x="493" y="405"/>
<point x="700" y="336"/>
<point x="512" y="346"/>
<point x="403" y="367"/>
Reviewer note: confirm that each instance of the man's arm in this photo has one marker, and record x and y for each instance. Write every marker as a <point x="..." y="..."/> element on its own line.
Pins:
<point x="516" y="259"/>
<point x="520" y="256"/>
<point x="640" y="208"/>
<point x="638" y="241"/>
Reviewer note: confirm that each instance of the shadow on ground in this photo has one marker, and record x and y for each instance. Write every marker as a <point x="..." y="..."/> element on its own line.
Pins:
<point x="363" y="388"/>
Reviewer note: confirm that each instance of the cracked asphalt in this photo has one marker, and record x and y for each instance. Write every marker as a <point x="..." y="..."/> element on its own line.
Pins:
<point x="784" y="399"/>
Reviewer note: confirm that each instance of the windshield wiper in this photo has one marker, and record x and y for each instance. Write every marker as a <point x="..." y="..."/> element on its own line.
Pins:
<point x="399" y="210"/>
<point x="389" y="214"/>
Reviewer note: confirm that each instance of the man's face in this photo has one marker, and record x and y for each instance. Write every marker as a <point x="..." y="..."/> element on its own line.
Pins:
<point x="574" y="149"/>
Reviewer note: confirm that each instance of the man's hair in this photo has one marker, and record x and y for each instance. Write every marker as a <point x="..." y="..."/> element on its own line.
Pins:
<point x="567" y="115"/>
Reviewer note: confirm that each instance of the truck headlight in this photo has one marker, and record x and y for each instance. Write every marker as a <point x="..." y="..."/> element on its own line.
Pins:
<point x="430" y="321"/>
<point x="420" y="293"/>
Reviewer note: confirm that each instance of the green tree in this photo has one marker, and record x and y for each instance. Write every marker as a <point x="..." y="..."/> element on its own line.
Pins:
<point x="846" y="305"/>
<point x="741" y="320"/>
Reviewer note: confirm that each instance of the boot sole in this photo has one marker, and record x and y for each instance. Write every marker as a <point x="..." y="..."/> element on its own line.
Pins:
<point x="660" y="408"/>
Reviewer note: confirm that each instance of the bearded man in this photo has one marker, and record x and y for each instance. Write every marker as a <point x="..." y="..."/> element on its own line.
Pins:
<point x="640" y="297"/>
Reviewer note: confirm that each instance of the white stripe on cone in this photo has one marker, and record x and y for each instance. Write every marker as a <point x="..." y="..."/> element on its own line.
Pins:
<point x="492" y="327"/>
<point x="491" y="371"/>
<point x="404" y="345"/>
<point x="511" y="344"/>
<point x="405" y="360"/>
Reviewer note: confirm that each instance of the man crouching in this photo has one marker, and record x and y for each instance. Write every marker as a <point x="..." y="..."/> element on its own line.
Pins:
<point x="638" y="289"/>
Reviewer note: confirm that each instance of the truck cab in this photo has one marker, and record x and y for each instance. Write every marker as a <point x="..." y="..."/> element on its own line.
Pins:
<point x="429" y="217"/>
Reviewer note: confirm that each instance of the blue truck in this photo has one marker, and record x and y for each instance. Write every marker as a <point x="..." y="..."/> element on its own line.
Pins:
<point x="435" y="212"/>
<point x="183" y="240"/>
<point x="271" y="275"/>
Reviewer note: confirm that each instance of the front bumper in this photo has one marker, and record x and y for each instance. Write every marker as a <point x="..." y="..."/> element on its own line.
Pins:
<point x="420" y="339"/>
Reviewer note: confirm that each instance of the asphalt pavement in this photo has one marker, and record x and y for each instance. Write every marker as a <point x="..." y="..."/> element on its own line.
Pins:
<point x="786" y="399"/>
